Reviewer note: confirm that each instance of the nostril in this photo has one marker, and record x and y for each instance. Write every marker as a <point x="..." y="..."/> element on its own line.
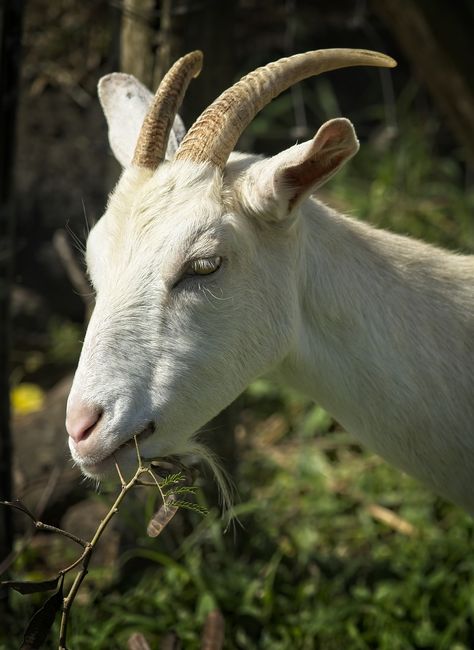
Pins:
<point x="81" y="421"/>
<point x="86" y="432"/>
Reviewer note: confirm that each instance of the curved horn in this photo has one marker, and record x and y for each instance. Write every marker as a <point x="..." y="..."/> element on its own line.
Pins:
<point x="214" y="135"/>
<point x="151" y="145"/>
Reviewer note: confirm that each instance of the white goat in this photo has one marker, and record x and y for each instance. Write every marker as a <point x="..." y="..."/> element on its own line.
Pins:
<point x="215" y="267"/>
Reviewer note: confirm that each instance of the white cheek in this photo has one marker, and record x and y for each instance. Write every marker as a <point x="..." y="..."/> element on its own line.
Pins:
<point x="94" y="264"/>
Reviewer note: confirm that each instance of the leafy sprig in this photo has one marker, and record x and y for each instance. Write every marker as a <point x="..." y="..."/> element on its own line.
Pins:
<point x="170" y="486"/>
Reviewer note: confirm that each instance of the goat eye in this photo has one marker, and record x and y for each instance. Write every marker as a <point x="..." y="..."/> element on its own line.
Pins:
<point x="204" y="266"/>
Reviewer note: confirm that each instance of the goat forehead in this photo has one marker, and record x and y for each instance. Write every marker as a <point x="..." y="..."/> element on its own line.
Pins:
<point x="181" y="185"/>
<point x="154" y="213"/>
<point x="167" y="236"/>
<point x="171" y="202"/>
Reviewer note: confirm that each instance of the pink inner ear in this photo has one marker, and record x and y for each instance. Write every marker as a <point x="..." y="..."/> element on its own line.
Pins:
<point x="334" y="143"/>
<point x="314" y="169"/>
<point x="337" y="133"/>
<point x="311" y="173"/>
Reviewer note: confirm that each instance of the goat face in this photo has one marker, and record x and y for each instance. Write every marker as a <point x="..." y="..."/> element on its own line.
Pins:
<point x="191" y="306"/>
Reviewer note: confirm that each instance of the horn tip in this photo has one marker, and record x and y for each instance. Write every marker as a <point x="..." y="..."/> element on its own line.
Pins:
<point x="366" y="57"/>
<point x="196" y="58"/>
<point x="391" y="63"/>
<point x="381" y="59"/>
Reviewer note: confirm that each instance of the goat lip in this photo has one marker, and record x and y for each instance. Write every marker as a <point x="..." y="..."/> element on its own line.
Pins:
<point x="101" y="466"/>
<point x="142" y="434"/>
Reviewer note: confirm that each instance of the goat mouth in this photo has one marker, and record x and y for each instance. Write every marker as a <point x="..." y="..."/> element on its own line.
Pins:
<point x="141" y="435"/>
<point x="101" y="466"/>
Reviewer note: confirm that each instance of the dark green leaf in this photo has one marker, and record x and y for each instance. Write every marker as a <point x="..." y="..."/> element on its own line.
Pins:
<point x="189" y="505"/>
<point x="42" y="621"/>
<point x="31" y="587"/>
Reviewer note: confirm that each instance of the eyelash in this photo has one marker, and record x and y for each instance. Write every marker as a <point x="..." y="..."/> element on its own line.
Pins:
<point x="203" y="266"/>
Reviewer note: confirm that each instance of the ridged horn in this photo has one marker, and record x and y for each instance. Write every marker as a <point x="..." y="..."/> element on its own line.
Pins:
<point x="214" y="135"/>
<point x="152" y="141"/>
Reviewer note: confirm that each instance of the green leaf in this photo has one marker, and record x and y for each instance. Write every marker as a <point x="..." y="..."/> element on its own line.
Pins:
<point x="195" y="507"/>
<point x="31" y="587"/>
<point x="42" y="621"/>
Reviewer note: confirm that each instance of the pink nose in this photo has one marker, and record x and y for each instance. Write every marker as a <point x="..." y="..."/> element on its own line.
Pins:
<point x="81" y="419"/>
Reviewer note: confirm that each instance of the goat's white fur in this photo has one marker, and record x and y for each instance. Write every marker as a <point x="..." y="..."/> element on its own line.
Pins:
<point x="378" y="328"/>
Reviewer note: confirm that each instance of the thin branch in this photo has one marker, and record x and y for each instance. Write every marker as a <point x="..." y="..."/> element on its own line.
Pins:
<point x="39" y="525"/>
<point x="86" y="556"/>
<point x="150" y="473"/>
<point x="76" y="562"/>
<point x="139" y="457"/>
<point x="122" y="480"/>
<point x="141" y="483"/>
<point x="69" y="599"/>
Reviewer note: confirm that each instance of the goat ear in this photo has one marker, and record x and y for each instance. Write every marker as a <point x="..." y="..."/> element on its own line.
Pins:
<point x="125" y="102"/>
<point x="293" y="175"/>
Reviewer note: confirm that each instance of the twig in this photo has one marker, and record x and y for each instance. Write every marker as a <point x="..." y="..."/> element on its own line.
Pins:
<point x="391" y="519"/>
<point x="150" y="473"/>
<point x="122" y="480"/>
<point x="39" y="525"/>
<point x="86" y="556"/>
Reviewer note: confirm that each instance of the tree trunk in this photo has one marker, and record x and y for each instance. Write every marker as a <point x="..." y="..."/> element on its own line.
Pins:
<point x="206" y="26"/>
<point x="436" y="39"/>
<point x="138" y="39"/>
<point x="11" y="12"/>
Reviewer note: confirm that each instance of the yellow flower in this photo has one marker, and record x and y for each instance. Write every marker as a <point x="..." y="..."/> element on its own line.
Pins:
<point x="26" y="398"/>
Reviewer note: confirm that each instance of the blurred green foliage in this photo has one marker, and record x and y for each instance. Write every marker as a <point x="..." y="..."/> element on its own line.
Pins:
<point x="409" y="188"/>
<point x="65" y="342"/>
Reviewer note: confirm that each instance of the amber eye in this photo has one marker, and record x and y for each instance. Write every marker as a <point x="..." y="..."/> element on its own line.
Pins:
<point x="204" y="266"/>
